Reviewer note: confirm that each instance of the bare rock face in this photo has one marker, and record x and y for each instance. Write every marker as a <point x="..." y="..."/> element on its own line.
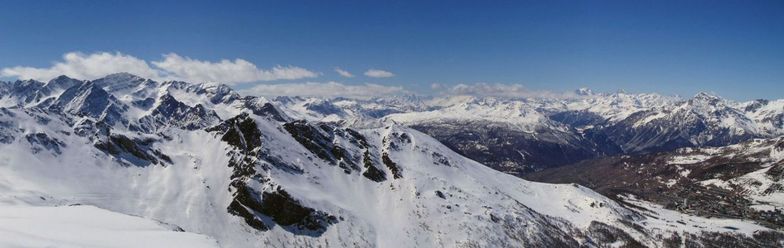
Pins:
<point x="137" y="152"/>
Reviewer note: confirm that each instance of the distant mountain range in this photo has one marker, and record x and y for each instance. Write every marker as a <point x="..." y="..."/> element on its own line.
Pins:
<point x="522" y="135"/>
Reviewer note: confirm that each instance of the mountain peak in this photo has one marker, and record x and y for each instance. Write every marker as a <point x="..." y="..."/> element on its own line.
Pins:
<point x="584" y="92"/>
<point x="63" y="82"/>
<point x="87" y="99"/>
<point x="27" y="83"/>
<point x="62" y="77"/>
<point x="706" y="97"/>
<point x="123" y="81"/>
<point x="123" y="75"/>
<point x="119" y="78"/>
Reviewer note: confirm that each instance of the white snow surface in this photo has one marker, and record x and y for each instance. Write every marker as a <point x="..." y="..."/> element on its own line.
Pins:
<point x="88" y="226"/>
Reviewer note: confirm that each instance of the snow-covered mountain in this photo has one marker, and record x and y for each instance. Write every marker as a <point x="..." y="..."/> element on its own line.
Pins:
<point x="522" y="135"/>
<point x="767" y="115"/>
<point x="704" y="120"/>
<point x="254" y="172"/>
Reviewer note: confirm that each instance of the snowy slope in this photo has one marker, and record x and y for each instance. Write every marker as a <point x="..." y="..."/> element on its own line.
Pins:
<point x="87" y="226"/>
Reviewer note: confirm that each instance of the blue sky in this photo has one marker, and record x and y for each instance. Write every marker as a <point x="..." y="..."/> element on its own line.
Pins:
<point x="732" y="48"/>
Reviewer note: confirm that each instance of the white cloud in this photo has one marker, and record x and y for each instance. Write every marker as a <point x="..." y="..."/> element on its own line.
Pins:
<point x="171" y="67"/>
<point x="328" y="89"/>
<point x="343" y="73"/>
<point x="226" y="71"/>
<point x="85" y="66"/>
<point x="376" y="73"/>
<point x="501" y="90"/>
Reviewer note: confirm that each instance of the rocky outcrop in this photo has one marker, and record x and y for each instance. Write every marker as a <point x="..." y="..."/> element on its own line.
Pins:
<point x="262" y="209"/>
<point x="132" y="151"/>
